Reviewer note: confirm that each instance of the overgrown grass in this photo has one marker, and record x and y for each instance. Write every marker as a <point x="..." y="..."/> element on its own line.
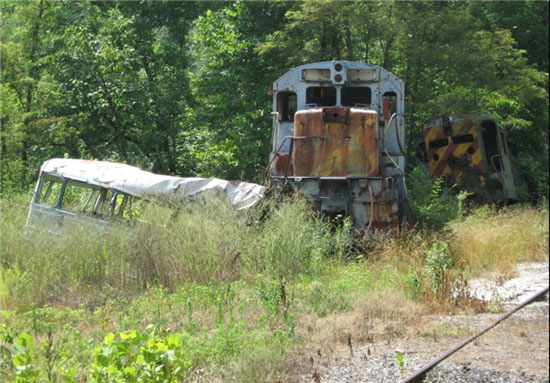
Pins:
<point x="226" y="296"/>
<point x="494" y="241"/>
<point x="195" y="334"/>
<point x="433" y="205"/>
<point x="207" y="242"/>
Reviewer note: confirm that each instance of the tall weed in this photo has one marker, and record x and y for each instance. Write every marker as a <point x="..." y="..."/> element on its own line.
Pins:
<point x="169" y="245"/>
<point x="202" y="243"/>
<point x="294" y="240"/>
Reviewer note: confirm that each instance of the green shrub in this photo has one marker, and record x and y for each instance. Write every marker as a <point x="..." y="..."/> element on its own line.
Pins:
<point x="294" y="240"/>
<point x="438" y="261"/>
<point x="432" y="205"/>
<point x="152" y="355"/>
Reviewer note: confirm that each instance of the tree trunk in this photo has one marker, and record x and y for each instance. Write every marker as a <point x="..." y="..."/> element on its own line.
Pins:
<point x="349" y="44"/>
<point x="27" y="107"/>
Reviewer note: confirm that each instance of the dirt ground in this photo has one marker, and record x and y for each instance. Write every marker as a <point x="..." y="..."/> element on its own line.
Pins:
<point x="519" y="344"/>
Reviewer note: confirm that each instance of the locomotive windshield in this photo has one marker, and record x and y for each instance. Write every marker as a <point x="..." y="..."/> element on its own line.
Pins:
<point x="326" y="95"/>
<point x="321" y="95"/>
<point x="351" y="96"/>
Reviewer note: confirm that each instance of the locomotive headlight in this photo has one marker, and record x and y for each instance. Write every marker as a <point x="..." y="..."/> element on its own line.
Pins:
<point x="363" y="183"/>
<point x="338" y="76"/>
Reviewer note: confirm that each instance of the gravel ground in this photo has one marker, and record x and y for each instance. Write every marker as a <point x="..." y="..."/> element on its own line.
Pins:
<point x="467" y="374"/>
<point x="386" y="371"/>
<point x="532" y="277"/>
<point x="515" y="351"/>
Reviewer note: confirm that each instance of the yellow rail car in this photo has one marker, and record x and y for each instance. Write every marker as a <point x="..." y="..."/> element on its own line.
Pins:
<point x="474" y="154"/>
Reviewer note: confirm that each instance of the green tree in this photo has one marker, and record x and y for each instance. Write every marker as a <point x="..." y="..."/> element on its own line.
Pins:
<point x="123" y="70"/>
<point x="231" y="83"/>
<point x="26" y="90"/>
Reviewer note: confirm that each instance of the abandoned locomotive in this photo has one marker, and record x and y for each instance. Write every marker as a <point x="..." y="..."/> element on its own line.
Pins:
<point x="338" y="138"/>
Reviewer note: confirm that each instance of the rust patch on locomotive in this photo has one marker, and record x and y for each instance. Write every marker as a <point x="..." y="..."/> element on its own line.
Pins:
<point x="335" y="147"/>
<point x="282" y="164"/>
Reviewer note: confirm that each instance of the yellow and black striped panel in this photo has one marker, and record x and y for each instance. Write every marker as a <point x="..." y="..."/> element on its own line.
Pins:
<point x="452" y="156"/>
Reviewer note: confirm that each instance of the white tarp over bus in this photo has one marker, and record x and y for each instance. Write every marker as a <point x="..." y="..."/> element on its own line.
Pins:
<point x="143" y="184"/>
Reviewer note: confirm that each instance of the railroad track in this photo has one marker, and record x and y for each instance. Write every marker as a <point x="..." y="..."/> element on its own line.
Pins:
<point x="419" y="375"/>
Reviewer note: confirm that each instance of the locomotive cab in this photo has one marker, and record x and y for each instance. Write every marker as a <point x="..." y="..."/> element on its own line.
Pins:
<point x="338" y="138"/>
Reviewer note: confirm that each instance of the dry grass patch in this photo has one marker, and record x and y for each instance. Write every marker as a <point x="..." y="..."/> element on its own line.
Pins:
<point x="380" y="315"/>
<point x="387" y="314"/>
<point x="491" y="241"/>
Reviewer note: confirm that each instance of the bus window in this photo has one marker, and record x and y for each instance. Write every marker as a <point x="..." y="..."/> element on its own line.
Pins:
<point x="80" y="197"/>
<point x="123" y="206"/>
<point x="102" y="207"/>
<point x="49" y="191"/>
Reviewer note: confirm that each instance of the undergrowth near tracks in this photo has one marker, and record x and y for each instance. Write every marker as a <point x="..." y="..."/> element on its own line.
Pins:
<point x="205" y="293"/>
<point x="494" y="241"/>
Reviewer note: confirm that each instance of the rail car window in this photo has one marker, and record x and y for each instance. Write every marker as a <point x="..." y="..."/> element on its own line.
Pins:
<point x="352" y="96"/>
<point x="436" y="144"/>
<point x="49" y="192"/>
<point x="503" y="140"/>
<point x="286" y="106"/>
<point x="321" y="95"/>
<point x="491" y="143"/>
<point x="463" y="139"/>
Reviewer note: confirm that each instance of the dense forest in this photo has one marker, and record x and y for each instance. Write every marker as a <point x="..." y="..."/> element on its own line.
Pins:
<point x="182" y="87"/>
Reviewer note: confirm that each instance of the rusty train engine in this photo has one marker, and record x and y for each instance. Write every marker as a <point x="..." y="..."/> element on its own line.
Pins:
<point x="338" y="139"/>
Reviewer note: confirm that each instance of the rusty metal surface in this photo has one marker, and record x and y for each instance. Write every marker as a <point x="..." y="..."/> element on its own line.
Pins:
<point x="343" y="143"/>
<point x="282" y="165"/>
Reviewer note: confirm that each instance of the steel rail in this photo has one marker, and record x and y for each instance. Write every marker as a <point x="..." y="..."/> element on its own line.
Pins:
<point x="419" y="375"/>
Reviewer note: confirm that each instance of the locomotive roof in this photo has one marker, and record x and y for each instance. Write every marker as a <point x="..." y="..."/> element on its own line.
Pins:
<point x="295" y="74"/>
<point x="476" y="118"/>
